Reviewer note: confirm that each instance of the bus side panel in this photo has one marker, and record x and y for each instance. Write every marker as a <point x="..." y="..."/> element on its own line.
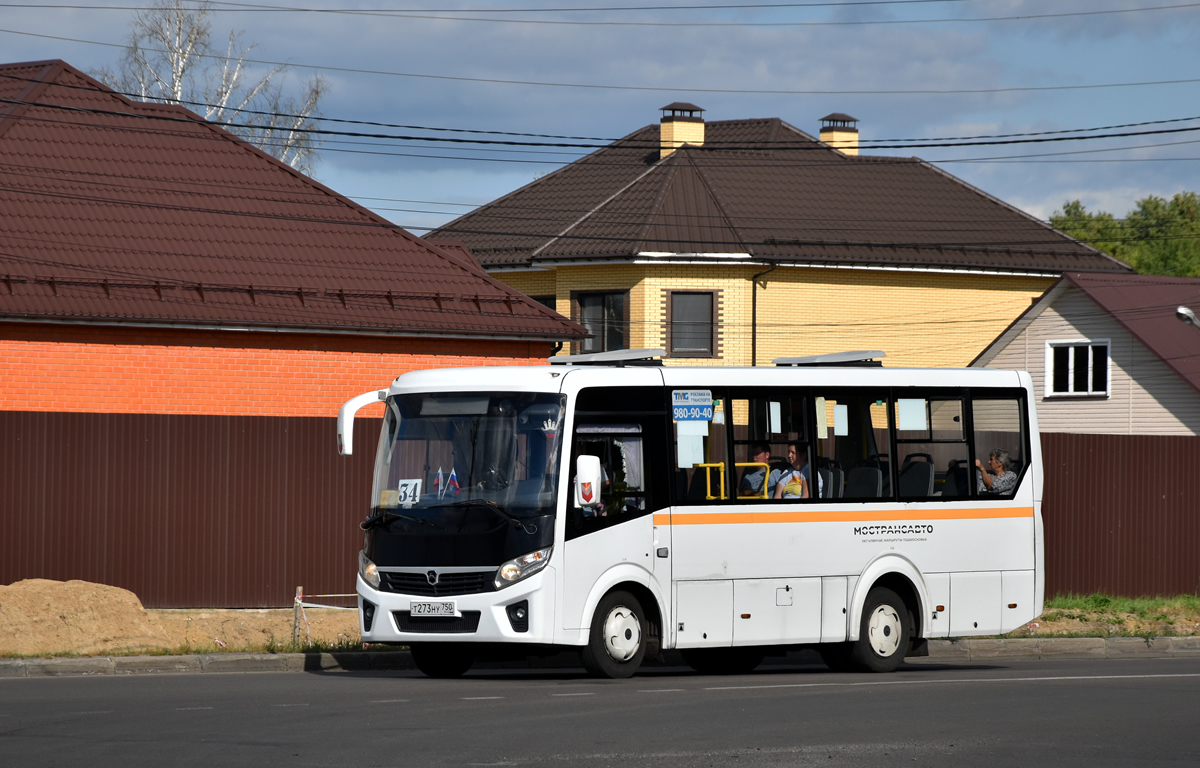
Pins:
<point x="1019" y="599"/>
<point x="704" y="614"/>
<point x="975" y="606"/>
<point x="766" y="611"/>
<point x="835" y="593"/>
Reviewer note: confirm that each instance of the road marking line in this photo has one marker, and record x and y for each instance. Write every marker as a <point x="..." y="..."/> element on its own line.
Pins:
<point x="97" y="712"/>
<point x="572" y="694"/>
<point x="289" y="705"/>
<point x="964" y="680"/>
<point x="190" y="709"/>
<point x="663" y="690"/>
<point x="388" y="701"/>
<point x="481" y="698"/>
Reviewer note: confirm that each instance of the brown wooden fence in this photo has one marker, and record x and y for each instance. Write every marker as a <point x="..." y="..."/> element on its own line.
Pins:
<point x="1122" y="514"/>
<point x="212" y="511"/>
<point x="185" y="511"/>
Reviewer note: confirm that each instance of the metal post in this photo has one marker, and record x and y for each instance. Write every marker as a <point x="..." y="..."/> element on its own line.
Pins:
<point x="296" y="615"/>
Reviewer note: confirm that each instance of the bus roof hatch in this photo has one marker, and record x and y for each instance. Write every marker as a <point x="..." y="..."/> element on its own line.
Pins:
<point x="862" y="357"/>
<point x="617" y="357"/>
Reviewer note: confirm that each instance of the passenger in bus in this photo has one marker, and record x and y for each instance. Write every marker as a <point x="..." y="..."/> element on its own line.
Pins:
<point x="755" y="478"/>
<point x="794" y="482"/>
<point x="997" y="477"/>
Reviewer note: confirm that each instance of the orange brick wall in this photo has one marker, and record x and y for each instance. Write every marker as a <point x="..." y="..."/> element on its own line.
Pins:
<point x="95" y="370"/>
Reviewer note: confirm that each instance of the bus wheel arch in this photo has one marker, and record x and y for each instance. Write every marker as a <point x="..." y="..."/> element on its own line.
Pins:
<point x="625" y="628"/>
<point x="899" y="575"/>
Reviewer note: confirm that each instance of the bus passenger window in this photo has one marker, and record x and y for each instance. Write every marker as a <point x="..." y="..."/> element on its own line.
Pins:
<point x="852" y="443"/>
<point x="770" y="447"/>
<point x="932" y="447"/>
<point x="999" y="443"/>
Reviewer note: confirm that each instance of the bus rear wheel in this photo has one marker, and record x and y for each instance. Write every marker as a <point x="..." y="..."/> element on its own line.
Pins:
<point x="884" y="633"/>
<point x="617" y="641"/>
<point x="442" y="659"/>
<point x="723" y="661"/>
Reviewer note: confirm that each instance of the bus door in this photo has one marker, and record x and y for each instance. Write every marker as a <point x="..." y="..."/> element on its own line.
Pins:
<point x="624" y="427"/>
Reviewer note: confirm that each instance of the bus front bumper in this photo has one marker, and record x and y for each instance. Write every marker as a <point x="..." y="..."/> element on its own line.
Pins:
<point x="521" y="613"/>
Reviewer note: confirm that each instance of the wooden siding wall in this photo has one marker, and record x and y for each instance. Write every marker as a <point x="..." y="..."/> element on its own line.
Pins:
<point x="1122" y="514"/>
<point x="1154" y="401"/>
<point x="183" y="510"/>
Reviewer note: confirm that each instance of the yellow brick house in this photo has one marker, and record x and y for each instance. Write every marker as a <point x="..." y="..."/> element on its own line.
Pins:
<point x="736" y="242"/>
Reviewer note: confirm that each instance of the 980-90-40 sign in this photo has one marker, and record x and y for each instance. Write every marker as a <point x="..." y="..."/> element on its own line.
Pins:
<point x="691" y="405"/>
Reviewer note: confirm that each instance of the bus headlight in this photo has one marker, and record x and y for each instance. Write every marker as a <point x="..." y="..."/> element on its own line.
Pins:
<point x="522" y="567"/>
<point x="367" y="570"/>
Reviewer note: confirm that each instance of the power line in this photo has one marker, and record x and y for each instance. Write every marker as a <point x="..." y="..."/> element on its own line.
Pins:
<point x="653" y="89"/>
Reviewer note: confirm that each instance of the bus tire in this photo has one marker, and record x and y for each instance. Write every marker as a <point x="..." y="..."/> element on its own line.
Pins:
<point x="617" y="641"/>
<point x="883" y="635"/>
<point x="442" y="660"/>
<point x="723" y="661"/>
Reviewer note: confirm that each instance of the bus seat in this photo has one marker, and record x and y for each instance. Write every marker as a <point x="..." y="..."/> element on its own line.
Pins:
<point x="826" y="483"/>
<point x="956" y="482"/>
<point x="864" y="483"/>
<point x="839" y="482"/>
<point x="916" y="479"/>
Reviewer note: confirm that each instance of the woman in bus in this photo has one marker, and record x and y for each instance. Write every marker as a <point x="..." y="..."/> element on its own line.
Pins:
<point x="794" y="482"/>
<point x="1000" y="479"/>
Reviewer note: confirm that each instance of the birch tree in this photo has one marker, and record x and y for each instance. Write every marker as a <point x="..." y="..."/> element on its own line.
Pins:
<point x="170" y="58"/>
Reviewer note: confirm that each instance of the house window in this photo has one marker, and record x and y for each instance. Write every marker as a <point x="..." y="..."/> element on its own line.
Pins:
<point x="1075" y="368"/>
<point x="691" y="324"/>
<point x="550" y="301"/>
<point x="605" y="316"/>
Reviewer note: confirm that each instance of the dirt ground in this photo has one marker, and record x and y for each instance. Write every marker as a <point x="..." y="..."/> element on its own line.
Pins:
<point x="47" y="618"/>
<point x="39" y="617"/>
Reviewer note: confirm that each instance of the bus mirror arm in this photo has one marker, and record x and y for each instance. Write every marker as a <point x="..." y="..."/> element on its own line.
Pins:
<point x="345" y="419"/>
<point x="587" y="482"/>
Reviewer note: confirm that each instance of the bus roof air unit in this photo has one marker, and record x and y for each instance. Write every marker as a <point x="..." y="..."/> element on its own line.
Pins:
<point x="617" y="357"/>
<point x="860" y="358"/>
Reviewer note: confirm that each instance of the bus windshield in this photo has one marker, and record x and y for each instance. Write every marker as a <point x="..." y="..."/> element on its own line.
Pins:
<point x="441" y="451"/>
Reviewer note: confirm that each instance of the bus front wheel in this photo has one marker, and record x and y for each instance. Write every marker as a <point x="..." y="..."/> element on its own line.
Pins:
<point x="442" y="659"/>
<point x="884" y="633"/>
<point x="617" y="641"/>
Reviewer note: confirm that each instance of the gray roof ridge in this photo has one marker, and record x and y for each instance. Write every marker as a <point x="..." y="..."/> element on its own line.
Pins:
<point x="50" y="70"/>
<point x="672" y="168"/>
<point x="712" y="193"/>
<point x="1014" y="209"/>
<point x="588" y="214"/>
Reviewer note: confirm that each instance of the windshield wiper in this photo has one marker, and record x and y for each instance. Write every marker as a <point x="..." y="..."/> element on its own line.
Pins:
<point x="516" y="521"/>
<point x="387" y="517"/>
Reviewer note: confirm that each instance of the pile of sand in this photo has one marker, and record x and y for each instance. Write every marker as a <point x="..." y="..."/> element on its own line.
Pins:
<point x="41" y="618"/>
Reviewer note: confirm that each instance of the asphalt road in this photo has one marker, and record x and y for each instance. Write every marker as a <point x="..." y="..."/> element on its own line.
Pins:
<point x="1060" y="713"/>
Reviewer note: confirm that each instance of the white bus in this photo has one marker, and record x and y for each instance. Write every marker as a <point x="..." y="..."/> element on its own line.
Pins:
<point x="623" y="508"/>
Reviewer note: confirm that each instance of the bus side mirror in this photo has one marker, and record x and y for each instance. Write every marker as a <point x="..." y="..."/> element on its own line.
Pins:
<point x="345" y="419"/>
<point x="587" y="482"/>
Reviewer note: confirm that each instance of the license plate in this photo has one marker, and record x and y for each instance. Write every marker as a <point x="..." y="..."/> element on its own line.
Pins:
<point x="445" y="608"/>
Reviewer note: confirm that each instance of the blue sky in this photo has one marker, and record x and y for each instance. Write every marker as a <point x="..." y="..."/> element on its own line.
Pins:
<point x="984" y="67"/>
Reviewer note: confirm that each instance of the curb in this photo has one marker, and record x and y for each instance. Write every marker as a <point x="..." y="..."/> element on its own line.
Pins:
<point x="392" y="661"/>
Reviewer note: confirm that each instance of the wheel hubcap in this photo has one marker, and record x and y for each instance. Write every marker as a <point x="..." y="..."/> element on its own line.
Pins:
<point x="883" y="630"/>
<point x="622" y="634"/>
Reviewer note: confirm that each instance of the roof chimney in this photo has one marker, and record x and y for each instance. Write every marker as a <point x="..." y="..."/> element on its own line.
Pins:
<point x="840" y="132"/>
<point x="681" y="124"/>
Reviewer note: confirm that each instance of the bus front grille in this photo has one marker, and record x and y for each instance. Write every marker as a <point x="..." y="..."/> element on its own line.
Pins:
<point x="447" y="584"/>
<point x="467" y="623"/>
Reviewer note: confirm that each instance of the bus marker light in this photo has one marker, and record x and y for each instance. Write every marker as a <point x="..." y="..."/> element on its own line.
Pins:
<point x="745" y="615"/>
<point x="941" y="608"/>
<point x="1012" y="605"/>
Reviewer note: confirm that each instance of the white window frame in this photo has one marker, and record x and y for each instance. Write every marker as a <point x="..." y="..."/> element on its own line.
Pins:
<point x="1048" y="370"/>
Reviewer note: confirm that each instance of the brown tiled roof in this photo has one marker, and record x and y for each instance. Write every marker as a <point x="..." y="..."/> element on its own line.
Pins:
<point x="116" y="211"/>
<point x="1145" y="305"/>
<point x="767" y="189"/>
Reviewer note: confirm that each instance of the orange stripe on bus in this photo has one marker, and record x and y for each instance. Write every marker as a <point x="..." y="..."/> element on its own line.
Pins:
<point x="848" y="516"/>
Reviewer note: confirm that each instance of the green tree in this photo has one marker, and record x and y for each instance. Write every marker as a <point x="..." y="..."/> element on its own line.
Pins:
<point x="1158" y="237"/>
